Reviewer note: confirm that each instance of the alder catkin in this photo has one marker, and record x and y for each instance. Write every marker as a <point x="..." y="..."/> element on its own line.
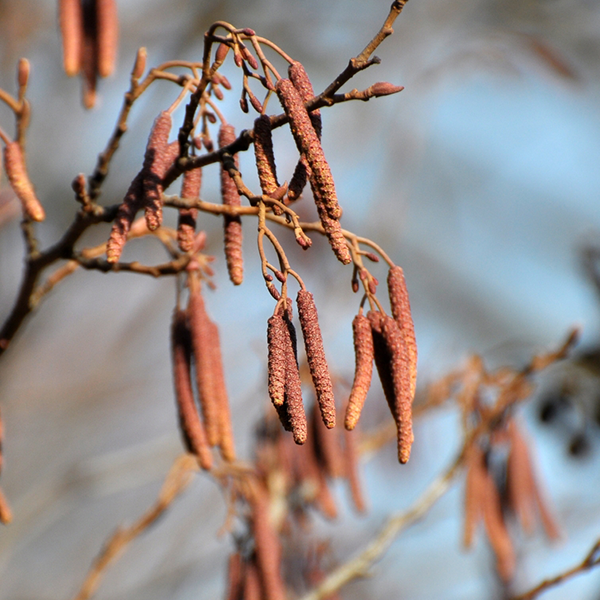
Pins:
<point x="189" y="418"/>
<point x="186" y="221"/>
<point x="327" y="447"/>
<point x="474" y="484"/>
<point x="293" y="386"/>
<point x="352" y="464"/>
<point x="333" y="231"/>
<point x="400" y="305"/>
<point x="89" y="54"/>
<point x="125" y="215"/>
<point x="70" y="19"/>
<point x="156" y="164"/>
<point x="235" y="577"/>
<point x="232" y="224"/>
<point x="276" y="344"/>
<point x="363" y="370"/>
<point x="16" y="170"/>
<point x="265" y="158"/>
<point x="315" y="354"/>
<point x="5" y="512"/>
<point x="205" y="380"/>
<point x="107" y="27"/>
<point x="308" y="144"/>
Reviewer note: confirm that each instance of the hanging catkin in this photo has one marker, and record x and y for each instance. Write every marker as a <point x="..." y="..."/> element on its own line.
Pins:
<point x="14" y="165"/>
<point x="232" y="224"/>
<point x="333" y="231"/>
<point x="276" y="344"/>
<point x="107" y="36"/>
<point x="265" y="158"/>
<point x="70" y="19"/>
<point x="186" y="221"/>
<point x="308" y="143"/>
<point x="189" y="418"/>
<point x="363" y="370"/>
<point x="315" y="354"/>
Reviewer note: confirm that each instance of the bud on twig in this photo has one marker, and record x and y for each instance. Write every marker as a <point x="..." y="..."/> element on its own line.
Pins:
<point x="140" y="64"/>
<point x="315" y="354"/>
<point x="233" y="225"/>
<point x="189" y="419"/>
<point x="14" y="164"/>
<point x="363" y="371"/>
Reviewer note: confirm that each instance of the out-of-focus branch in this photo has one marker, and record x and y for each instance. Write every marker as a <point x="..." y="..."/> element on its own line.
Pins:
<point x="179" y="476"/>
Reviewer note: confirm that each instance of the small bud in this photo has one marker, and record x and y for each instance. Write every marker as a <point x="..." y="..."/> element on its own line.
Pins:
<point x="244" y="104"/>
<point x="249" y="57"/>
<point x="383" y="88"/>
<point x="218" y="94"/>
<point x="140" y="64"/>
<point x="221" y="53"/>
<point x="23" y="71"/>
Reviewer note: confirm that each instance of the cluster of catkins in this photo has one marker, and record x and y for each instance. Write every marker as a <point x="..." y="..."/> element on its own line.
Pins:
<point x="195" y="339"/>
<point x="300" y="476"/>
<point x="5" y="512"/>
<point x="488" y="500"/>
<point x="389" y="341"/>
<point x="89" y="30"/>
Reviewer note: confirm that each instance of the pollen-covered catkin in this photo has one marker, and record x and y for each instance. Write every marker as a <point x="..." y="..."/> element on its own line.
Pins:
<point x="156" y="163"/>
<point x="16" y="170"/>
<point x="333" y="231"/>
<point x="308" y="143"/>
<point x="186" y="221"/>
<point x="276" y="344"/>
<point x="400" y="305"/>
<point x="107" y="36"/>
<point x="125" y="216"/>
<point x="189" y="418"/>
<point x="265" y="158"/>
<point x="232" y="224"/>
<point x="363" y="371"/>
<point x="293" y="386"/>
<point x="70" y="19"/>
<point x="199" y="324"/>
<point x="315" y="354"/>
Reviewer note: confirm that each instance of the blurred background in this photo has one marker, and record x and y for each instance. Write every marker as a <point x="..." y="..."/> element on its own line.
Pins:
<point x="480" y="179"/>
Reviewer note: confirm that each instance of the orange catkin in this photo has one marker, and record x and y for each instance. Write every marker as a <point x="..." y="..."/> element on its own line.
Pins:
<point x="276" y="344"/>
<point x="125" y="216"/>
<point x="232" y="224"/>
<point x="14" y="165"/>
<point x="205" y="376"/>
<point x="363" y="371"/>
<point x="5" y="512"/>
<point x="107" y="28"/>
<point x="156" y="164"/>
<point x="70" y="19"/>
<point x="315" y="354"/>
<point x="308" y="144"/>
<point x="400" y="305"/>
<point x="189" y="419"/>
<point x="186" y="222"/>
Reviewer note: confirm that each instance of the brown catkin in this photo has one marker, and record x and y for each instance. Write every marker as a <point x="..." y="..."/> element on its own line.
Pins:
<point x="125" y="216"/>
<point x="89" y="54"/>
<point x="235" y="581"/>
<point x="391" y="361"/>
<point x="251" y="582"/>
<point x="308" y="144"/>
<point x="400" y="305"/>
<point x="363" y="370"/>
<point x="156" y="164"/>
<point x="293" y="386"/>
<point x="70" y="19"/>
<point x="352" y="464"/>
<point x="267" y="546"/>
<point x="265" y="158"/>
<point x="107" y="36"/>
<point x="276" y="344"/>
<point x="189" y="418"/>
<point x="226" y="444"/>
<point x="327" y="447"/>
<point x="186" y="221"/>
<point x="232" y="224"/>
<point x="315" y="354"/>
<point x="16" y="170"/>
<point x="474" y="483"/>
<point x="333" y="231"/>
<point x="205" y="376"/>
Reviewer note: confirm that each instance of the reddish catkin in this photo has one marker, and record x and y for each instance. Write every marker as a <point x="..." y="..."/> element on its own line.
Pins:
<point x="5" y="512"/>
<point x="308" y="143"/>
<point x="156" y="163"/>
<point x="327" y="447"/>
<point x="205" y="376"/>
<point x="125" y="216"/>
<point x="189" y="418"/>
<point x="251" y="582"/>
<point x="186" y="221"/>
<point x="293" y="386"/>
<point x="226" y="444"/>
<point x="89" y="54"/>
<point x="265" y="158"/>
<point x="267" y="546"/>
<point x="315" y="354"/>
<point x="363" y="370"/>
<point x="474" y="483"/>
<point x="70" y="19"/>
<point x="232" y="224"/>
<point x="333" y="231"/>
<point x="400" y="305"/>
<point x="235" y="572"/>
<point x="107" y="27"/>
<point x="16" y="170"/>
<point x="352" y="475"/>
<point x="276" y="344"/>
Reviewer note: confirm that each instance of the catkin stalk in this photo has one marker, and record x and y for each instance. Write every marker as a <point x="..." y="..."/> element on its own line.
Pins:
<point x="232" y="225"/>
<point x="16" y="170"/>
<point x="315" y="354"/>
<point x="363" y="370"/>
<point x="189" y="418"/>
